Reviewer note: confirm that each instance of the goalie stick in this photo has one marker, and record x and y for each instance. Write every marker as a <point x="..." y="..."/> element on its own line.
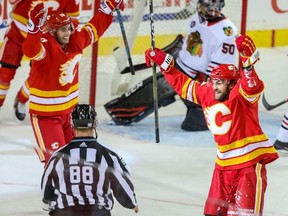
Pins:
<point x="120" y="84"/>
<point x="137" y="67"/>
<point x="271" y="107"/>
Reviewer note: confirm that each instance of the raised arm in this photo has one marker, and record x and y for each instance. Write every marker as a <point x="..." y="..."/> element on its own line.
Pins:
<point x="251" y="85"/>
<point x="182" y="84"/>
<point x="32" y="47"/>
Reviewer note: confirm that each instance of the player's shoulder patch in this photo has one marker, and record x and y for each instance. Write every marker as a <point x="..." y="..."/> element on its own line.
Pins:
<point x="192" y="24"/>
<point x="228" y="31"/>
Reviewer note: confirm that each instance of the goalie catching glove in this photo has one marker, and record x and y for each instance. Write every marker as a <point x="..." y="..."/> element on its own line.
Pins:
<point x="248" y="52"/>
<point x="110" y="6"/>
<point x="159" y="57"/>
<point x="37" y="19"/>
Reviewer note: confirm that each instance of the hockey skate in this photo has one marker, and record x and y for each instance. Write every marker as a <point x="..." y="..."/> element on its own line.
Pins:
<point x="20" y="110"/>
<point x="280" y="145"/>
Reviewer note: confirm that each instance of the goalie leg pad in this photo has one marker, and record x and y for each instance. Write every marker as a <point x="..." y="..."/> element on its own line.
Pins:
<point x="137" y="103"/>
<point x="194" y="120"/>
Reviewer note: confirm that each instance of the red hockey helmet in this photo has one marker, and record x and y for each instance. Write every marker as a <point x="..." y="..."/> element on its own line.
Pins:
<point x="225" y="72"/>
<point x="57" y="20"/>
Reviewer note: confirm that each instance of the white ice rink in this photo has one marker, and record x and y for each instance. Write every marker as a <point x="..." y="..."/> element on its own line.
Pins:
<point x="171" y="178"/>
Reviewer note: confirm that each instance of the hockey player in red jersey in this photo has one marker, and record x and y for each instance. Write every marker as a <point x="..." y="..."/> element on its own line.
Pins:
<point x="209" y="41"/>
<point x="230" y="106"/>
<point x="55" y="57"/>
<point x="11" y="50"/>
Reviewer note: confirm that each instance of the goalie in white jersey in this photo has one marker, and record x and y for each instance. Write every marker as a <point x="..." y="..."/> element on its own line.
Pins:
<point x="209" y="41"/>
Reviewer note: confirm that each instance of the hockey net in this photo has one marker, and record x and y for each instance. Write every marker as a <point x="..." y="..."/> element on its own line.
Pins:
<point x="170" y="19"/>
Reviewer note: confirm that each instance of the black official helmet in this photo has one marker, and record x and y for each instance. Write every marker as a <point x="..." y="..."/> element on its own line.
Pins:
<point x="84" y="116"/>
<point x="208" y="9"/>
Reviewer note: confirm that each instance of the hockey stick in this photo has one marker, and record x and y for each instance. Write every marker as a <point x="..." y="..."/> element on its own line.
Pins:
<point x="181" y="15"/>
<point x="120" y="19"/>
<point x="137" y="67"/>
<point x="155" y="91"/>
<point x="271" y="107"/>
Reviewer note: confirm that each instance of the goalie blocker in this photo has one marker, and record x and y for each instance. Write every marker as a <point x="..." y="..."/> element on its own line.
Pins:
<point x="137" y="103"/>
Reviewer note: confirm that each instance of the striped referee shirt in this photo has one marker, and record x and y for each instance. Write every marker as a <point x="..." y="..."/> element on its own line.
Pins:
<point x="85" y="173"/>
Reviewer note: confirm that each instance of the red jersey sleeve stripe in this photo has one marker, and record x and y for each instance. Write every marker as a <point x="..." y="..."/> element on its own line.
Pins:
<point x="92" y="32"/>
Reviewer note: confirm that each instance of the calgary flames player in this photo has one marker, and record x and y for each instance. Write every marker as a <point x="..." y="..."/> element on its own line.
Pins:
<point x="53" y="81"/>
<point x="230" y="106"/>
<point x="11" y="50"/>
<point x="209" y="41"/>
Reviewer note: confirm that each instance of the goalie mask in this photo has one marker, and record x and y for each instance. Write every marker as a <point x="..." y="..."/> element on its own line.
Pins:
<point x="208" y="9"/>
<point x="57" y="20"/>
<point x="84" y="116"/>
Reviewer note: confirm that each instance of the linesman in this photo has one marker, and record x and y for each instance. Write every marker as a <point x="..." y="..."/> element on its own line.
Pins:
<point x="80" y="177"/>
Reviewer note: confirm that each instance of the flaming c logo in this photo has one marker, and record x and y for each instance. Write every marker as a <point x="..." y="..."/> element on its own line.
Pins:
<point x="276" y="8"/>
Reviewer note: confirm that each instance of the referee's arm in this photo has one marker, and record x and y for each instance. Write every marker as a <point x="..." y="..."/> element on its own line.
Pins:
<point x="121" y="184"/>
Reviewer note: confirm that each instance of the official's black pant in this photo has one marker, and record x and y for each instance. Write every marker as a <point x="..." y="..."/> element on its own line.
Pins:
<point x="81" y="211"/>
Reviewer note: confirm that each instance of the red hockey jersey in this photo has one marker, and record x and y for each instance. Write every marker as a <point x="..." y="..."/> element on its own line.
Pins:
<point x="234" y="123"/>
<point x="54" y="72"/>
<point x="21" y="10"/>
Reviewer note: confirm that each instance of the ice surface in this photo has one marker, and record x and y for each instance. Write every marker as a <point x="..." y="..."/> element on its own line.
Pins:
<point x="171" y="177"/>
